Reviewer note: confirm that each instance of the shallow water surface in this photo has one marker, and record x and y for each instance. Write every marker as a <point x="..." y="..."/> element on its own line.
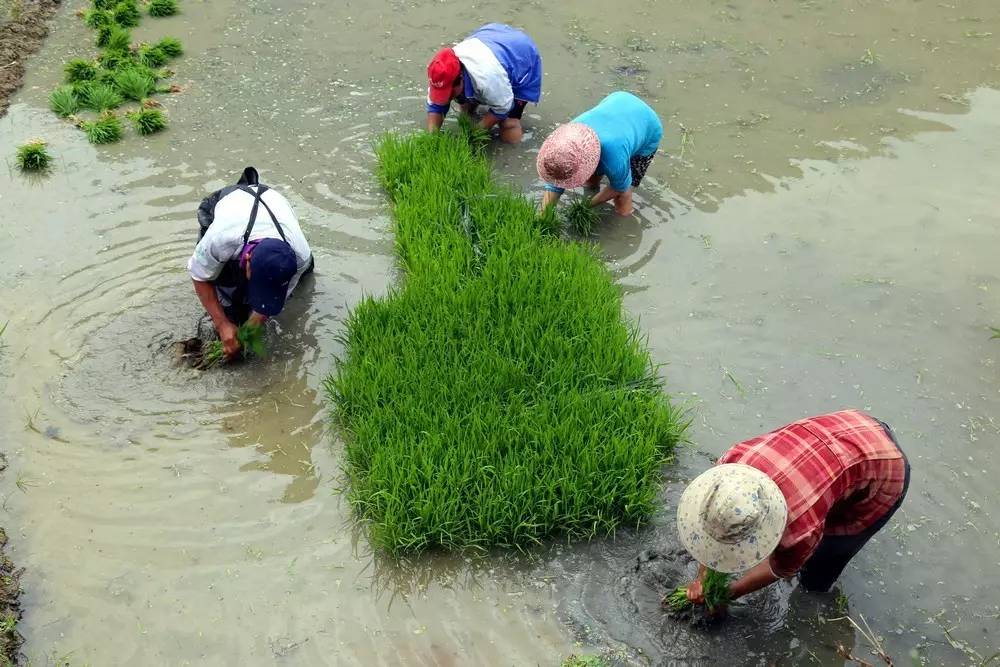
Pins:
<point x="820" y="231"/>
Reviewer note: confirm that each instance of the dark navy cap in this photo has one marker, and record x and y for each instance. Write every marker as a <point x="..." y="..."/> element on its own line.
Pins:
<point x="272" y="266"/>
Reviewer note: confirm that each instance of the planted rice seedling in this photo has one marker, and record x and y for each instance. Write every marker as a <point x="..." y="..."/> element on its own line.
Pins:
<point x="105" y="130"/>
<point x="105" y="4"/>
<point x="80" y="69"/>
<point x="64" y="101"/>
<point x="126" y="13"/>
<point x="582" y="217"/>
<point x="33" y="156"/>
<point x="135" y="83"/>
<point x="101" y="97"/>
<point x="114" y="38"/>
<point x="160" y="8"/>
<point x="497" y="397"/>
<point x="97" y="18"/>
<point x="477" y="136"/>
<point x="171" y="46"/>
<point x="148" y="120"/>
<point x="152" y="56"/>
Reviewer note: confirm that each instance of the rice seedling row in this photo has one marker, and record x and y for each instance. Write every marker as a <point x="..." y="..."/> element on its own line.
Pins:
<point x="496" y="397"/>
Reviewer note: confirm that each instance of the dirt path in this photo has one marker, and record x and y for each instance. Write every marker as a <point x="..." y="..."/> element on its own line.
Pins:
<point x="23" y="26"/>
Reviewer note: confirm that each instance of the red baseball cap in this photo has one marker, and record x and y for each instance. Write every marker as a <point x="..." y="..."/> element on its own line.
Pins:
<point x="442" y="71"/>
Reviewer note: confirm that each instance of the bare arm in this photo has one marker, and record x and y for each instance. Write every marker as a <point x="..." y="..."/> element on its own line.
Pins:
<point x="549" y="199"/>
<point x="434" y="121"/>
<point x="623" y="200"/>
<point x="755" y="579"/>
<point x="489" y="121"/>
<point x="210" y="301"/>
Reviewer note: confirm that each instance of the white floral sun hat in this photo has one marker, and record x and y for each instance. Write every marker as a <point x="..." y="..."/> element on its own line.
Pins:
<point x="731" y="517"/>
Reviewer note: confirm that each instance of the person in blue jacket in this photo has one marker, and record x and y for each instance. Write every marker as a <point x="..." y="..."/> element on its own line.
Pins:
<point x="497" y="67"/>
<point x="616" y="139"/>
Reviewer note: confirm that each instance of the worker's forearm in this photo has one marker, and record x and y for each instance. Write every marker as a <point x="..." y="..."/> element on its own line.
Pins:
<point x="605" y="195"/>
<point x="210" y="301"/>
<point x="757" y="578"/>
<point x="549" y="199"/>
<point x="434" y="121"/>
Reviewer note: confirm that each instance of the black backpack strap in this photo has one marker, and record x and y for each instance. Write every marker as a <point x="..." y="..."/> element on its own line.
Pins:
<point x="257" y="201"/>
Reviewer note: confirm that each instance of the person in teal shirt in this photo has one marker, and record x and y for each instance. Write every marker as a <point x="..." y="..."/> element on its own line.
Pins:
<point x="617" y="139"/>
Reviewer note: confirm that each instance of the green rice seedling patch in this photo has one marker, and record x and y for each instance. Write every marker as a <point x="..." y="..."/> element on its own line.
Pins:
<point x="152" y="56"/>
<point x="135" y="83"/>
<point x="98" y="18"/>
<point x="159" y="8"/>
<point x="126" y="14"/>
<point x="582" y="217"/>
<point x="80" y="69"/>
<point x="171" y="46"/>
<point x="101" y="97"/>
<point x="33" y="156"/>
<point x="148" y="120"/>
<point x="105" y="130"/>
<point x="498" y="396"/>
<point x="64" y="101"/>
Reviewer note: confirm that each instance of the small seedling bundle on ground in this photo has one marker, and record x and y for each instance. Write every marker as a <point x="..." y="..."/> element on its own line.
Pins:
<point x="33" y="156"/>
<point x="122" y="73"/>
<point x="497" y="396"/>
<point x="715" y="587"/>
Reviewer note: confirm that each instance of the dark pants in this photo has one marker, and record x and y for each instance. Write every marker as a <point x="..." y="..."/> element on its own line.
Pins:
<point x="835" y="551"/>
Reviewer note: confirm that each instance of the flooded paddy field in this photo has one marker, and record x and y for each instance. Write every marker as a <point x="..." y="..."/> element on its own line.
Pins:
<point x="819" y="231"/>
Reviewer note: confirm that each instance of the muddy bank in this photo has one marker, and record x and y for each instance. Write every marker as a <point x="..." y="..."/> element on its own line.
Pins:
<point x="23" y="26"/>
<point x="10" y="599"/>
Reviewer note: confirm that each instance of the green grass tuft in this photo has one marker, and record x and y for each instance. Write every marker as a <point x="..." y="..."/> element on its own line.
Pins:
<point x="127" y="14"/>
<point x="101" y="97"/>
<point x="582" y="217"/>
<point x="163" y="8"/>
<point x="171" y="46"/>
<point x="135" y="83"/>
<point x="152" y="56"/>
<point x="114" y="38"/>
<point x="64" y="101"/>
<point x="148" y="121"/>
<point x="498" y="397"/>
<point x="98" y="18"/>
<point x="105" y="130"/>
<point x="80" y="69"/>
<point x="33" y="156"/>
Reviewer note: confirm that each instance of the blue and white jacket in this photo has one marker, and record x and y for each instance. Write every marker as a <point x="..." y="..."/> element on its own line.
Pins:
<point x="500" y="64"/>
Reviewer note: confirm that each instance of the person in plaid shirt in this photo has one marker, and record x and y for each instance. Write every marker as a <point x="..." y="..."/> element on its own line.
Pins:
<point x="803" y="499"/>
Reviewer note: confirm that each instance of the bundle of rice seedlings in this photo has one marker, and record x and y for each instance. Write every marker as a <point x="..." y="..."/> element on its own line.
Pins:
<point x="80" y="69"/>
<point x="126" y="14"/>
<point x="148" y="120"/>
<point x="253" y="343"/>
<point x="114" y="38"/>
<point x="498" y="397"/>
<point x="112" y="61"/>
<point x="152" y="56"/>
<point x="582" y="217"/>
<point x="33" y="156"/>
<point x="477" y="136"/>
<point x="105" y="4"/>
<point x="64" y="101"/>
<point x="98" y="18"/>
<point x="134" y="83"/>
<point x="171" y="46"/>
<point x="162" y="8"/>
<point x="105" y="130"/>
<point x="715" y="588"/>
<point x="101" y="97"/>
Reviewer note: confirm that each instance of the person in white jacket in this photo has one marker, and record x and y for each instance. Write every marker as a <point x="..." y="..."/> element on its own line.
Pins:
<point x="497" y="67"/>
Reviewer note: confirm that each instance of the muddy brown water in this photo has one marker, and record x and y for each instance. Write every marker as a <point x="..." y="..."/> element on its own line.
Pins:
<point x="821" y="231"/>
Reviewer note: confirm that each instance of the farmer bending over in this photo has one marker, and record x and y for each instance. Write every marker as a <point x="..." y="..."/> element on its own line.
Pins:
<point x="618" y="139"/>
<point x="802" y="499"/>
<point x="250" y="256"/>
<point x="496" y="66"/>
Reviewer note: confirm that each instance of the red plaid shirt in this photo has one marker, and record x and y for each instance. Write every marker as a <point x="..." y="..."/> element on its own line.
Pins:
<point x="839" y="474"/>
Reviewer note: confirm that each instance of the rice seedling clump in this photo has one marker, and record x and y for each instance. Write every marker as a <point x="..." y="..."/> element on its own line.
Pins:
<point x="33" y="156"/>
<point x="135" y="83"/>
<point x="148" y="120"/>
<point x="163" y="8"/>
<point x="105" y="130"/>
<point x="253" y="343"/>
<point x="497" y="396"/>
<point x="715" y="588"/>
<point x="171" y="46"/>
<point x="64" y="101"/>
<point x="582" y="217"/>
<point x="80" y="69"/>
<point x="126" y="14"/>
<point x="101" y="97"/>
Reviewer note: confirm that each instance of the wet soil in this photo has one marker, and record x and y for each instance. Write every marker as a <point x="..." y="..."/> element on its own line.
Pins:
<point x="23" y="26"/>
<point x="10" y="599"/>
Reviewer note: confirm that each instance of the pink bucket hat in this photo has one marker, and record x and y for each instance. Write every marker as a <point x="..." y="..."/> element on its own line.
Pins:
<point x="569" y="156"/>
